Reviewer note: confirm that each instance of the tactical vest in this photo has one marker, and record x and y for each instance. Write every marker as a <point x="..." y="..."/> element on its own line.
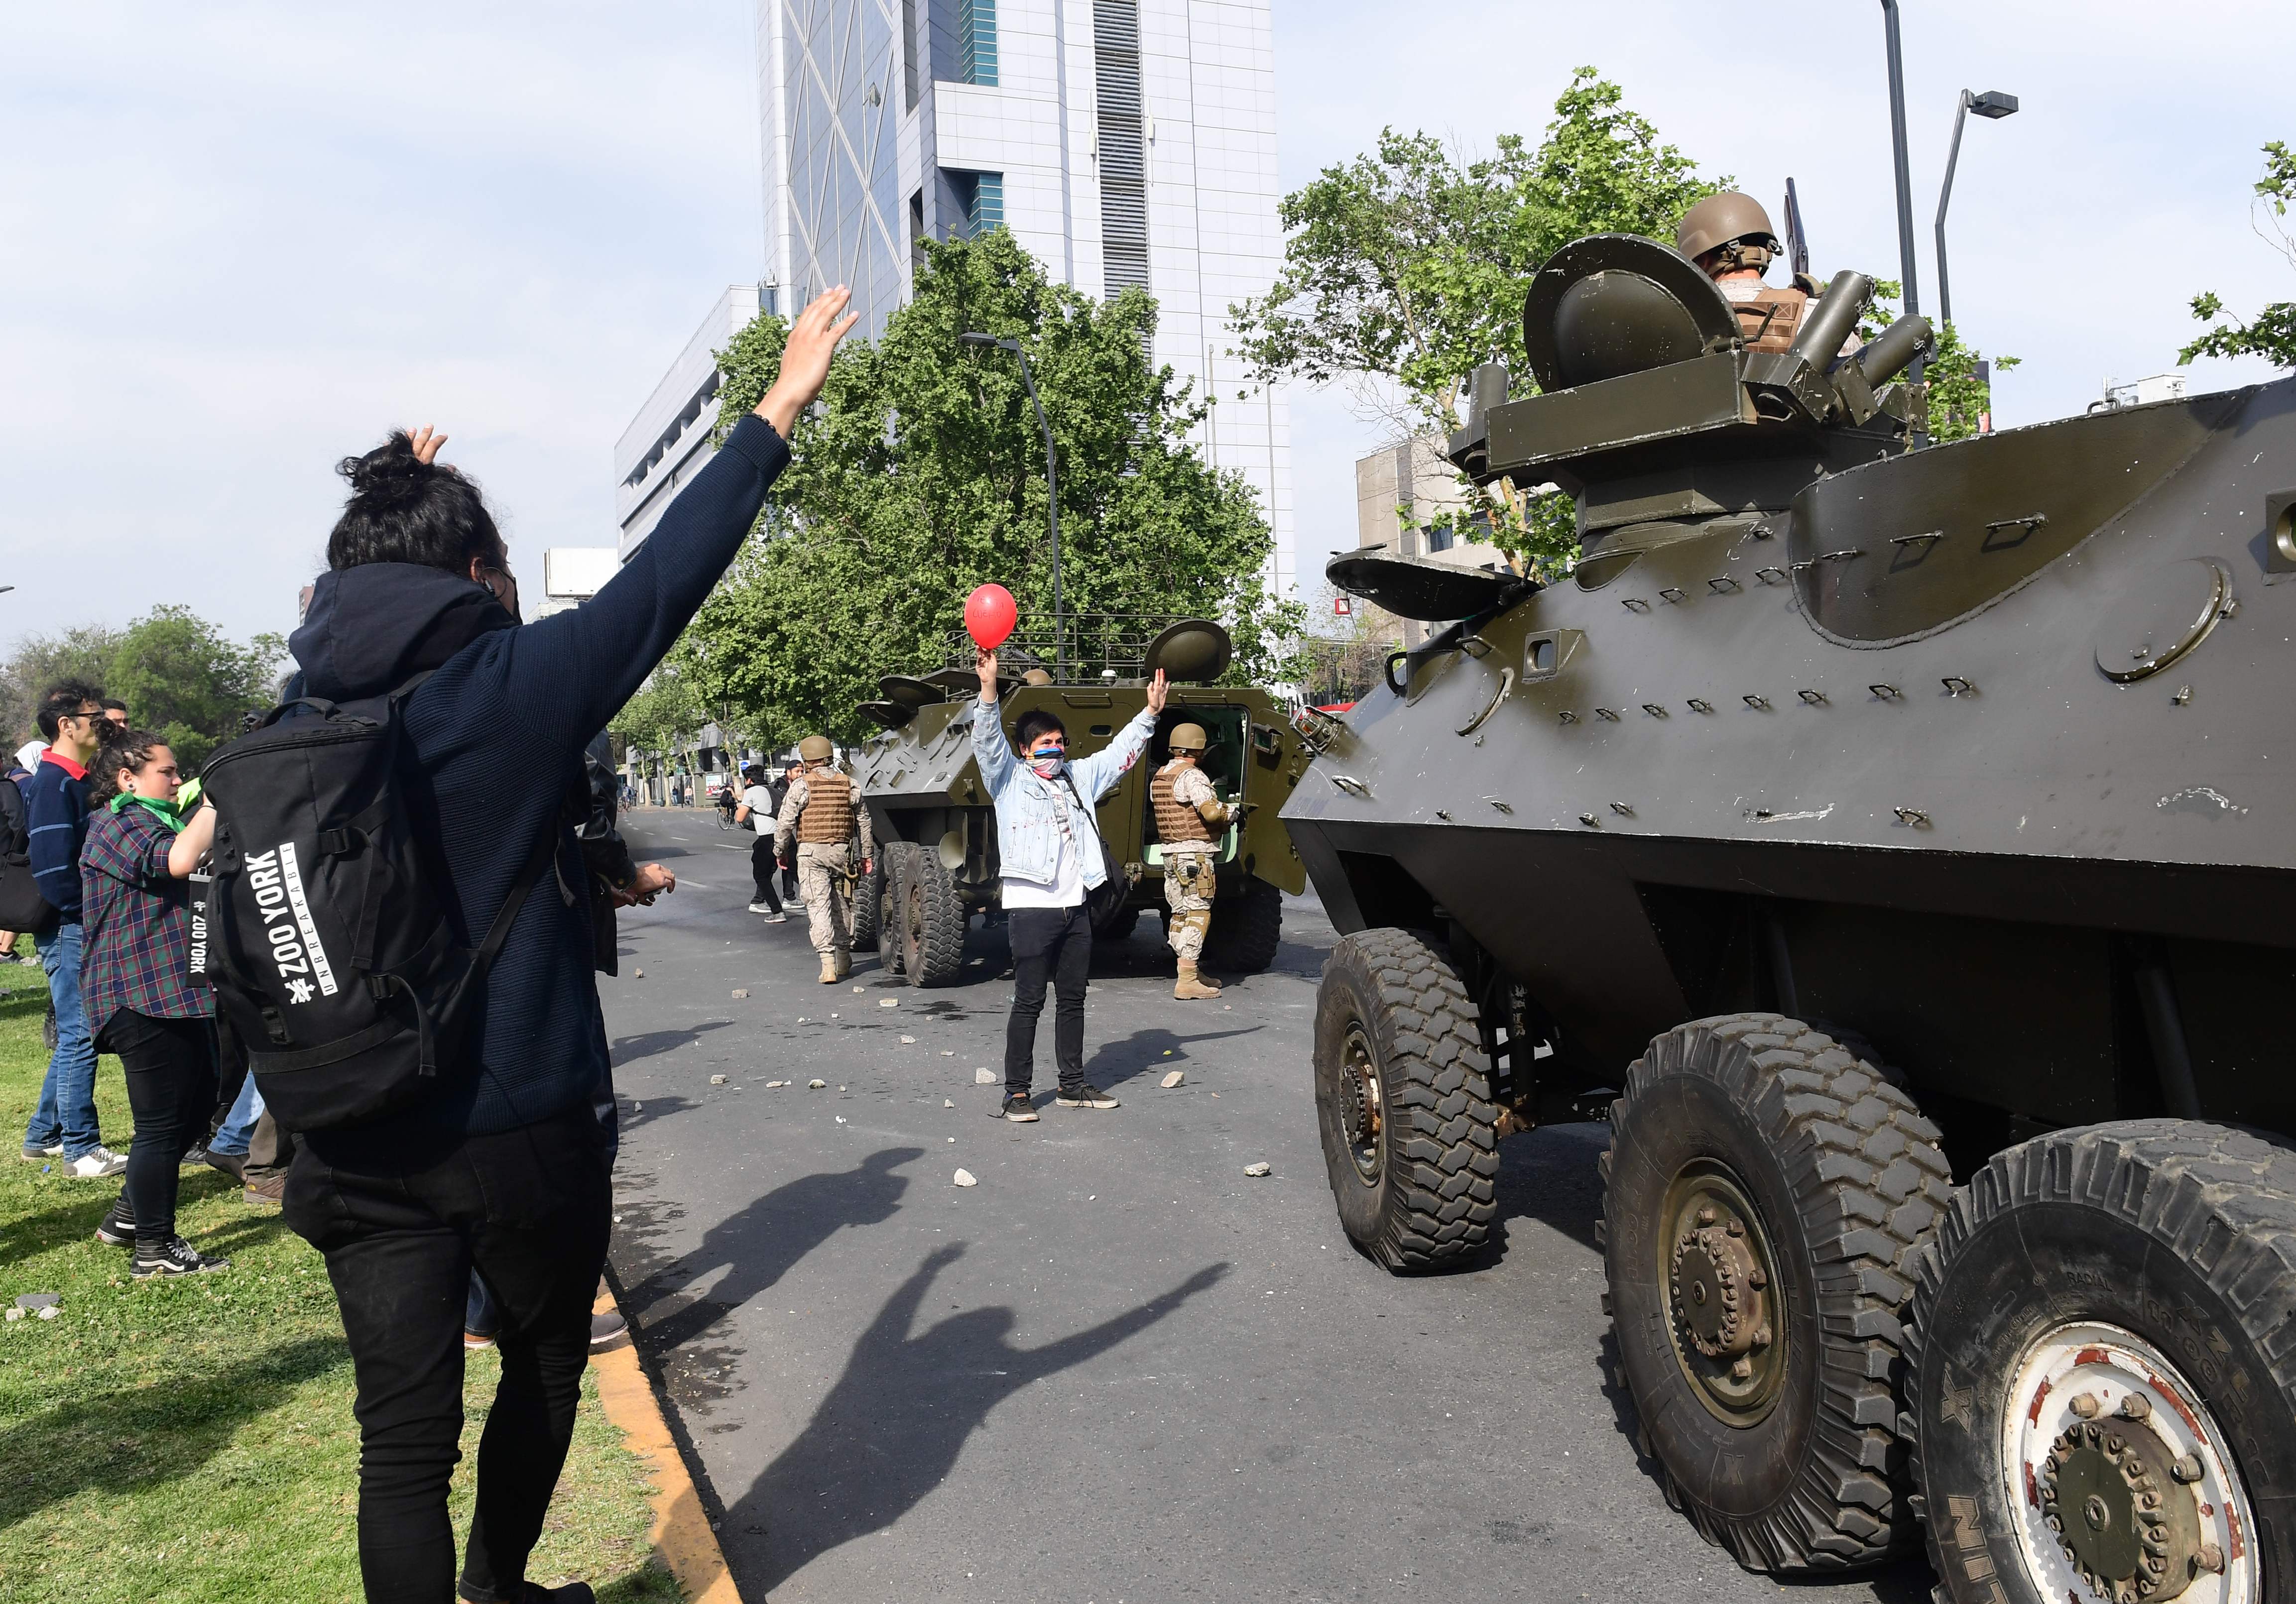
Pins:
<point x="828" y="813"/>
<point x="1769" y="317"/>
<point x="1176" y="820"/>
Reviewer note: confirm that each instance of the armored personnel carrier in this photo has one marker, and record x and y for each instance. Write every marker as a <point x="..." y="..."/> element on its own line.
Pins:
<point x="1896" y="847"/>
<point x="936" y="865"/>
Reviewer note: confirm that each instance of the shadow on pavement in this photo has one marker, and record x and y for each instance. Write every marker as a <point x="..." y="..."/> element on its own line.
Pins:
<point x="891" y="1427"/>
<point x="1143" y="1053"/>
<point x="631" y="1048"/>
<point x="758" y="1245"/>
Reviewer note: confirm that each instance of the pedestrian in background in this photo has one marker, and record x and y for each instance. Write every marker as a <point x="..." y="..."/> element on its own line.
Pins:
<point x="63" y="1124"/>
<point x="1049" y="852"/>
<point x="756" y="810"/>
<point x="503" y="1169"/>
<point x="136" y="988"/>
<point x="115" y="711"/>
<point x="780" y="788"/>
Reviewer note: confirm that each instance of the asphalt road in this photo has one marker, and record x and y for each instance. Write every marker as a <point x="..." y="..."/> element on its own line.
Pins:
<point x="1116" y="1369"/>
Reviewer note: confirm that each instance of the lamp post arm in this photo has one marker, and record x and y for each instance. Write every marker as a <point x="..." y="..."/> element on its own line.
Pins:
<point x="1945" y="198"/>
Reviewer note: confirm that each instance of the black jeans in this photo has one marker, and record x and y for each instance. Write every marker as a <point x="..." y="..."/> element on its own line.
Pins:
<point x="762" y="870"/>
<point x="529" y="1210"/>
<point x="171" y="1086"/>
<point x="1052" y="944"/>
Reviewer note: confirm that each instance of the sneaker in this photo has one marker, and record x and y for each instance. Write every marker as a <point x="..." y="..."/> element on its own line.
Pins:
<point x="1014" y="1106"/>
<point x="174" y="1257"/>
<point x="761" y="908"/>
<point x="776" y="918"/>
<point x="116" y="1228"/>
<point x="475" y="1342"/>
<point x="95" y="1164"/>
<point x="609" y="1330"/>
<point x="268" y="1192"/>
<point x="35" y="1152"/>
<point x="233" y="1164"/>
<point x="1087" y="1097"/>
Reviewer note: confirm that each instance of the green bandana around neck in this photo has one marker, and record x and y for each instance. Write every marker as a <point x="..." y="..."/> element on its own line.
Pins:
<point x="164" y="812"/>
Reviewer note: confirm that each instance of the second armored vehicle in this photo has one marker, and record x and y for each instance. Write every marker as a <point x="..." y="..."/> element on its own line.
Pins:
<point x="936" y="828"/>
<point x="1852" y="822"/>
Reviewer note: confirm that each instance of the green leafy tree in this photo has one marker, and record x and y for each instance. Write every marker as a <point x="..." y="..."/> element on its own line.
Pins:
<point x="921" y="475"/>
<point x="182" y="677"/>
<point x="2271" y="333"/>
<point x="1954" y="374"/>
<point x="1409" y="266"/>
<point x="83" y="653"/>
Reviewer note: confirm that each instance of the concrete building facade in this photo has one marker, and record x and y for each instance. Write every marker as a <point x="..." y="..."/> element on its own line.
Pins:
<point x="1123" y="143"/>
<point x="1400" y="490"/>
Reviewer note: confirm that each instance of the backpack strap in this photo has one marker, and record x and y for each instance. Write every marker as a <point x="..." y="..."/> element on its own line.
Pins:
<point x="545" y="851"/>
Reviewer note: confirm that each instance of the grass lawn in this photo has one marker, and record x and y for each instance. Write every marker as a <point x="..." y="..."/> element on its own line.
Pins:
<point x="193" y="1439"/>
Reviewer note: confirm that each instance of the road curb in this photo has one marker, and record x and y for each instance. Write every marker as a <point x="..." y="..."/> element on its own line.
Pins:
<point x="681" y="1532"/>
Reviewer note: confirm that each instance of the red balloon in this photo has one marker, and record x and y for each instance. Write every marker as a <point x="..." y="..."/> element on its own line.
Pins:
<point x="990" y="615"/>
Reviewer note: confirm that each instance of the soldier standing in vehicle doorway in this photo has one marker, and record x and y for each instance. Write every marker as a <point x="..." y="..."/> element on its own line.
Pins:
<point x="821" y="814"/>
<point x="1730" y="236"/>
<point x="1187" y="808"/>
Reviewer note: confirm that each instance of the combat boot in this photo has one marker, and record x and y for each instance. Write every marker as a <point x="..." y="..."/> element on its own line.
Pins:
<point x="844" y="961"/>
<point x="1191" y="985"/>
<point x="829" y="969"/>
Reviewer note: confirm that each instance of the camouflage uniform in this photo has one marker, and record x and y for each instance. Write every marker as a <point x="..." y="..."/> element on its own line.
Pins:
<point x="822" y="814"/>
<point x="1190" y="861"/>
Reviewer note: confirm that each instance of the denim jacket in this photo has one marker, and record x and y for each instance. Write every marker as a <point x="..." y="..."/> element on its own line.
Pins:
<point x="1029" y="807"/>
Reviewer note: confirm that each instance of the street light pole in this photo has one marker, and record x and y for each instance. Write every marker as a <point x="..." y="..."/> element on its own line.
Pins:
<point x="1920" y="423"/>
<point x="1992" y="105"/>
<point x="1052" y="493"/>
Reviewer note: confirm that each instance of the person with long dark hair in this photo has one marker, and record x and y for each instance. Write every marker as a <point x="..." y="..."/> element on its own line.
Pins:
<point x="135" y="982"/>
<point x="504" y="1167"/>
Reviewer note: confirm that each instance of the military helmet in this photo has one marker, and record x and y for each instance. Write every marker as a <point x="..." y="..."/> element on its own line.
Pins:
<point x="1724" y="219"/>
<point x="1187" y="738"/>
<point x="816" y="748"/>
<point x="1036" y="677"/>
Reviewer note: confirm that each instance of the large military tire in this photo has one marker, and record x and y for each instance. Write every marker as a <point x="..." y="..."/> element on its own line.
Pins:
<point x="1247" y="927"/>
<point x="2151" y="1258"/>
<point x="868" y="904"/>
<point x="1765" y="1194"/>
<point x="1402" y="1099"/>
<point x="893" y="857"/>
<point x="930" y="917"/>
<point x="1120" y="927"/>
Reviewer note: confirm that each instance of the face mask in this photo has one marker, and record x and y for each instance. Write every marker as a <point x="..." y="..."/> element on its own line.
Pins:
<point x="1048" y="761"/>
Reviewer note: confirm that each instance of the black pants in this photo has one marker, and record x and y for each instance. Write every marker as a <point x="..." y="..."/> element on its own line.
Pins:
<point x="1052" y="944"/>
<point x="171" y="1086"/>
<point x="529" y="1210"/>
<point x="762" y="871"/>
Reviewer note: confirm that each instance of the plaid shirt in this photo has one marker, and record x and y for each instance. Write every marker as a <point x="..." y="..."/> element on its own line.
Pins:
<point x="136" y="950"/>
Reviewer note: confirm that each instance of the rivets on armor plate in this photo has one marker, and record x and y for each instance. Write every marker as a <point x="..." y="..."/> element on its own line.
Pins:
<point x="1605" y="715"/>
<point x="1622" y="810"/>
<point x="1816" y="698"/>
<point x="1568" y="716"/>
<point x="1722" y="584"/>
<point x="1504" y="807"/>
<point x="1443" y="813"/>
<point x="1770" y="575"/>
<point x="1633" y="604"/>
<point x="1698" y="705"/>
<point x="1671" y="594"/>
<point x="1886" y="692"/>
<point x="1912" y="818"/>
<point x="1654" y="709"/>
<point x="1760" y="704"/>
<point x="1844" y="556"/>
<point x="1955" y="685"/>
<point x="1590" y="821"/>
<point x="2184" y="696"/>
<point x="1906" y="540"/>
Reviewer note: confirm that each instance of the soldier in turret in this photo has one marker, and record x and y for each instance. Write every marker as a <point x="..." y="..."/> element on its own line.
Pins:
<point x="1729" y="235"/>
<point x="1187" y="809"/>
<point x="821" y="816"/>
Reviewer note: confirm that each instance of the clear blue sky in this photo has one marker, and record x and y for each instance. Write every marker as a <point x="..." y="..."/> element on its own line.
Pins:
<point x="240" y="240"/>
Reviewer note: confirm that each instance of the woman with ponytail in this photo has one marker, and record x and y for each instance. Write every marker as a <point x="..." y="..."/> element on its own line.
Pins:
<point x="135" y="982"/>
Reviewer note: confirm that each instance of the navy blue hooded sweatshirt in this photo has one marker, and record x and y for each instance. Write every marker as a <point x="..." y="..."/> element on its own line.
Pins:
<point x="497" y="733"/>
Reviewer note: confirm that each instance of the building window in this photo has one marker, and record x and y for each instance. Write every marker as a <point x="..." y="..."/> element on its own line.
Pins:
<point x="1121" y="144"/>
<point x="975" y="42"/>
<point x="909" y="51"/>
<point x="1438" y="539"/>
<point x="982" y="197"/>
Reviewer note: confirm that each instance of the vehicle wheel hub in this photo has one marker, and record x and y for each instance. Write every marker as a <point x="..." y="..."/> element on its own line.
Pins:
<point x="2130" y="1493"/>
<point x="1719" y="1274"/>
<point x="1361" y="1111"/>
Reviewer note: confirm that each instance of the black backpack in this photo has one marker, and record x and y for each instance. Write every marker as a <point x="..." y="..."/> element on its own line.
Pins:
<point x="325" y="931"/>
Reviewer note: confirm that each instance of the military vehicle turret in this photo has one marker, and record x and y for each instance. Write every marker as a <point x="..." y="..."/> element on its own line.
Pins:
<point x="937" y="864"/>
<point x="1896" y="847"/>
